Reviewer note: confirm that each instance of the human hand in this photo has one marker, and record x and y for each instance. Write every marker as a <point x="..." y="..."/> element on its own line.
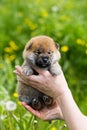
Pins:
<point x="53" y="86"/>
<point x="47" y="113"/>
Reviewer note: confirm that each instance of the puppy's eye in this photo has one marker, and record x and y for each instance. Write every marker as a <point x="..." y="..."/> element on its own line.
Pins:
<point x="38" y="52"/>
<point x="49" y="52"/>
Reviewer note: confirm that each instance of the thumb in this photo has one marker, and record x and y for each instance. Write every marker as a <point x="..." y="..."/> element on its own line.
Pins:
<point x="18" y="69"/>
<point x="42" y="71"/>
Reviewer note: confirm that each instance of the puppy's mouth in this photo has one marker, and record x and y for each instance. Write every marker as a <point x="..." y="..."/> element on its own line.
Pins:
<point x="43" y="62"/>
<point x="43" y="65"/>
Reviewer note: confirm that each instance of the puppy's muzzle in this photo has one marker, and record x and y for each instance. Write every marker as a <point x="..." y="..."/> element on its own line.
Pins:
<point x="43" y="61"/>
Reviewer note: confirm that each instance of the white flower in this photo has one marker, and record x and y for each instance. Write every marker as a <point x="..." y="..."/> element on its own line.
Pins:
<point x="55" y="9"/>
<point x="35" y="121"/>
<point x="10" y="106"/>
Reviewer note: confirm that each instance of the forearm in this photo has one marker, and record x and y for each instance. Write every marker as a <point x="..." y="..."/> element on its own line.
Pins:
<point x="72" y="115"/>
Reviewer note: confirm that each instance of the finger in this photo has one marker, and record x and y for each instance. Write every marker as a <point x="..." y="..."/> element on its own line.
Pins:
<point x="22" y="81"/>
<point x="17" y="72"/>
<point x="20" y="73"/>
<point x="41" y="71"/>
<point x="36" y="113"/>
<point x="18" y="69"/>
<point x="46" y="73"/>
<point x="38" y="78"/>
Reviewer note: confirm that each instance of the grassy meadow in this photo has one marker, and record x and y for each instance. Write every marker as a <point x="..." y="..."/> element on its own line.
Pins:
<point x="63" y="20"/>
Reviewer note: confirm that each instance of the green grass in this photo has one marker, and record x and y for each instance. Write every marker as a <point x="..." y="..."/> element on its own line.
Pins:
<point x="66" y="23"/>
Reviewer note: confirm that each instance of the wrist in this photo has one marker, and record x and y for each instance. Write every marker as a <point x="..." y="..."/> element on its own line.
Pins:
<point x="66" y="93"/>
<point x="61" y="86"/>
<point x="63" y="90"/>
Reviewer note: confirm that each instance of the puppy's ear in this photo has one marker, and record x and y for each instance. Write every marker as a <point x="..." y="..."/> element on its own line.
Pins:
<point x="57" y="45"/>
<point x="29" y="46"/>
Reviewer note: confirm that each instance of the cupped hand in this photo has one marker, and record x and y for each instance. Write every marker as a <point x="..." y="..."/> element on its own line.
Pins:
<point x="47" y="113"/>
<point x="43" y="82"/>
<point x="53" y="86"/>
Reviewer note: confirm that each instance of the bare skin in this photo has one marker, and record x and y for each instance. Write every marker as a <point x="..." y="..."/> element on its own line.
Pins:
<point x="64" y="106"/>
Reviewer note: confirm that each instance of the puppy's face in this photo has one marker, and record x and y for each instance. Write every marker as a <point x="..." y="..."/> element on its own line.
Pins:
<point x="41" y="51"/>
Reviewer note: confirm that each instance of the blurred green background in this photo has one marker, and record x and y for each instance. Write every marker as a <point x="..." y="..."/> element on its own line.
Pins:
<point x="63" y="20"/>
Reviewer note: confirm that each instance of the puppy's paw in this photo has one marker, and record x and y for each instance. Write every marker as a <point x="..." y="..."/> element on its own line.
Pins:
<point x="47" y="100"/>
<point x="36" y="104"/>
<point x="24" y="99"/>
<point x="55" y="70"/>
<point x="27" y="71"/>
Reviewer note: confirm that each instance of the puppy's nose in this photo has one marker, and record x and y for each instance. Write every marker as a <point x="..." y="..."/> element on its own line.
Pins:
<point x="45" y="59"/>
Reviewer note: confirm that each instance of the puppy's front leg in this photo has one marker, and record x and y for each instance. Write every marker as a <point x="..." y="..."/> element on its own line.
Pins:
<point x="27" y="69"/>
<point x="55" y="69"/>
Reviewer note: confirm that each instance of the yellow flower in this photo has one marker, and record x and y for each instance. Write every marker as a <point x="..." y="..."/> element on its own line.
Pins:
<point x="19" y="102"/>
<point x="12" y="57"/>
<point x="44" y="13"/>
<point x="8" y="50"/>
<point x="69" y="5"/>
<point x="53" y="128"/>
<point x="26" y="20"/>
<point x="64" y="48"/>
<point x="9" y="58"/>
<point x="13" y="45"/>
<point x="80" y="41"/>
<point x="15" y="94"/>
<point x="30" y="24"/>
<point x="1" y="65"/>
<point x="65" y="18"/>
<point x="38" y="1"/>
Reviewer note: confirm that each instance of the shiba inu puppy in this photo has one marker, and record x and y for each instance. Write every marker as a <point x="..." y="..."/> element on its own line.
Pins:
<point x="41" y="52"/>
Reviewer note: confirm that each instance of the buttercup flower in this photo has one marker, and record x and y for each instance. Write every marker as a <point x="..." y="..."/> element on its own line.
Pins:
<point x="38" y="1"/>
<point x="30" y="24"/>
<point x="65" y="18"/>
<point x="80" y="41"/>
<point x="15" y="94"/>
<point x="53" y="128"/>
<point x="64" y="48"/>
<point x="12" y="57"/>
<point x="19" y="103"/>
<point x="13" y="45"/>
<point x="8" y="50"/>
<point x="10" y="106"/>
<point x="44" y="13"/>
<point x="1" y="66"/>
